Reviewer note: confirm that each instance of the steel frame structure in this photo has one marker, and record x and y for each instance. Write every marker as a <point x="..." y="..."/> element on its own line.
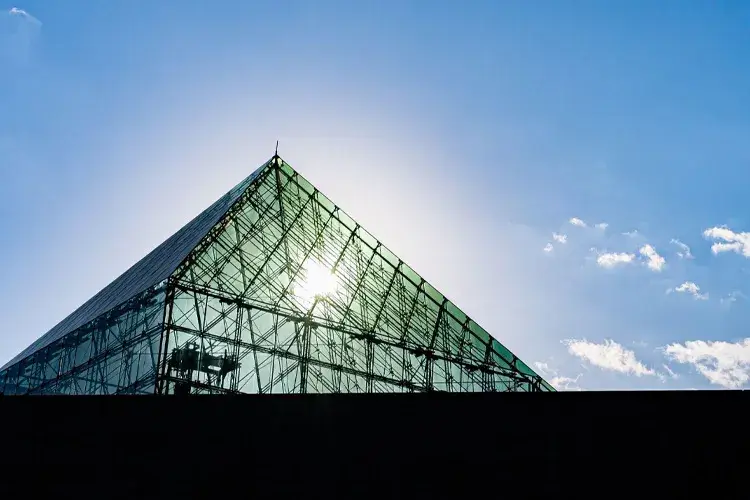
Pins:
<point x="238" y="315"/>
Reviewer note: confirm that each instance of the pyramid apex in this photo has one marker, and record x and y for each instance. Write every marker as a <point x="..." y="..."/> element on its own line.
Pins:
<point x="275" y="272"/>
<point x="276" y="159"/>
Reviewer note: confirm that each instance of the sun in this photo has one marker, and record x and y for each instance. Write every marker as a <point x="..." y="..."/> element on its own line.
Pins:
<point x="317" y="281"/>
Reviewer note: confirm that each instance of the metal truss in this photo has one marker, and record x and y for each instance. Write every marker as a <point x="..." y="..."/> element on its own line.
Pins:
<point x="285" y="294"/>
<point x="115" y="353"/>
<point x="239" y="302"/>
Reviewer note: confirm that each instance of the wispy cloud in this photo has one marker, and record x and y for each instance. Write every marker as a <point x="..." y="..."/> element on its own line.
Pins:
<point x="556" y="380"/>
<point x="654" y="261"/>
<point x="15" y="11"/>
<point x="609" y="260"/>
<point x="684" y="252"/>
<point x="608" y="355"/>
<point x="561" y="238"/>
<point x="19" y="32"/>
<point x="690" y="288"/>
<point x="729" y="241"/>
<point x="565" y="383"/>
<point x="580" y="223"/>
<point x="670" y="372"/>
<point x="577" y="222"/>
<point x="732" y="297"/>
<point x="631" y="234"/>
<point x="723" y="363"/>
<point x="542" y="368"/>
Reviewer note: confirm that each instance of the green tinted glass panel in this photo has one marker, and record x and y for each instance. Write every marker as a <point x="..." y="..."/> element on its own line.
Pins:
<point x="279" y="292"/>
<point x="327" y="204"/>
<point x="367" y="238"/>
<point x="347" y="221"/>
<point x="436" y="296"/>
<point x="455" y="312"/>
<point x="261" y="311"/>
<point x="389" y="256"/>
<point x="285" y="168"/>
<point x="410" y="274"/>
<point x="100" y="357"/>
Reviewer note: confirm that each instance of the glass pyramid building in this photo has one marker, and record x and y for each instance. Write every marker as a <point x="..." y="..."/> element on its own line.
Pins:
<point x="272" y="289"/>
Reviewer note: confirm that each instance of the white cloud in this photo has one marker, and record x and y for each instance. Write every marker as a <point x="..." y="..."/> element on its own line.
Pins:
<point x="610" y="260"/>
<point x="580" y="223"/>
<point x="732" y="242"/>
<point x="15" y="11"/>
<point x="690" y="288"/>
<point x="542" y="368"/>
<point x="562" y="238"/>
<point x="577" y="222"/>
<point x="670" y="372"/>
<point x="565" y="383"/>
<point x="684" y="252"/>
<point x="631" y="234"/>
<point x="19" y="34"/>
<point x="723" y="363"/>
<point x="548" y="248"/>
<point x="608" y="356"/>
<point x="655" y="261"/>
<point x="556" y="380"/>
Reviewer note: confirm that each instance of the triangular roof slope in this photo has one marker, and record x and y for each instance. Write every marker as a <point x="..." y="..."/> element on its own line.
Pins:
<point x="304" y="299"/>
<point x="154" y="268"/>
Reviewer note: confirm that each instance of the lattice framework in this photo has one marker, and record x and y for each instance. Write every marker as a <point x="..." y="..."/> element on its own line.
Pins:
<point x="243" y="313"/>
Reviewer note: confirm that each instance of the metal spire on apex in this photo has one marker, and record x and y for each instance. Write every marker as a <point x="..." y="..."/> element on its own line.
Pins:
<point x="276" y="153"/>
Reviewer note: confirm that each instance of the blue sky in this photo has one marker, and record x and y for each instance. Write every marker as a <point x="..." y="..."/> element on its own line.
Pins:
<point x="462" y="136"/>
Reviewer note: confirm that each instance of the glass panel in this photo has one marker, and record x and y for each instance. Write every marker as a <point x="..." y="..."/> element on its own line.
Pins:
<point x="347" y="221"/>
<point x="389" y="257"/>
<point x="523" y="368"/>
<point x="455" y="312"/>
<point x="436" y="296"/>
<point x="501" y="355"/>
<point x="367" y="238"/>
<point x="283" y="297"/>
<point x="286" y="169"/>
<point x="52" y="361"/>
<point x="410" y="274"/>
<point x="304" y="184"/>
<point x="93" y="359"/>
<point x="323" y="200"/>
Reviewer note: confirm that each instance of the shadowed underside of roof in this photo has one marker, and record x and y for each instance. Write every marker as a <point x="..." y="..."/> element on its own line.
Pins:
<point x="154" y="268"/>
